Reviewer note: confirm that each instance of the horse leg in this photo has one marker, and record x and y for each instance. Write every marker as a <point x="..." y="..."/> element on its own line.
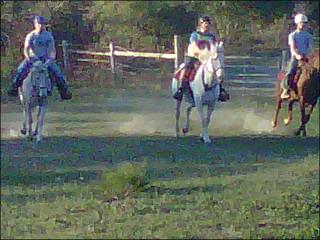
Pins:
<point x="208" y="118"/>
<point x="23" y="129"/>
<point x="276" y="113"/>
<point x="40" y="122"/>
<point x="29" y="113"/>
<point x="204" y="133"/>
<point x="304" y="119"/>
<point x="178" y="106"/>
<point x="288" y="120"/>
<point x="186" y="128"/>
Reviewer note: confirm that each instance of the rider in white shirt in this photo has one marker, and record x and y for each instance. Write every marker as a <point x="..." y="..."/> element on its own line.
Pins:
<point x="300" y="42"/>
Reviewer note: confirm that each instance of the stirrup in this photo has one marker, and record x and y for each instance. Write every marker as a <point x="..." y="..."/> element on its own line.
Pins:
<point x="178" y="95"/>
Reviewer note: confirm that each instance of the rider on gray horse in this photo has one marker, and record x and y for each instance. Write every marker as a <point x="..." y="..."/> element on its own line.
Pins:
<point x="200" y="38"/>
<point x="39" y="45"/>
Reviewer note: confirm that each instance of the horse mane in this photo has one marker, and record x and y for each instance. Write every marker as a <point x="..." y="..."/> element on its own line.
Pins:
<point x="309" y="78"/>
<point x="314" y="59"/>
<point x="311" y="65"/>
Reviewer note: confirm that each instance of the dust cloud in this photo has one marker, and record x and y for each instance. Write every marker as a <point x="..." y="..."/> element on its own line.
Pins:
<point x="157" y="116"/>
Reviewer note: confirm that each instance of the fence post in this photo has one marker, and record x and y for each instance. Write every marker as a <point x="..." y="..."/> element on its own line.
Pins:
<point x="178" y="50"/>
<point x="112" y="61"/>
<point x="65" y="46"/>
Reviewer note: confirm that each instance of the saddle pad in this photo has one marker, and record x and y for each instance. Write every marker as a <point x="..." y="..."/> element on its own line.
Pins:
<point x="189" y="76"/>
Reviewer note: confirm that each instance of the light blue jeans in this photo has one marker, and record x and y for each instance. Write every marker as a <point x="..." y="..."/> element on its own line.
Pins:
<point x="291" y="71"/>
<point x="25" y="66"/>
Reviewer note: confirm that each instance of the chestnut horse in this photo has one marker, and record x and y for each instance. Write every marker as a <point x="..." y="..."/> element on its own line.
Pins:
<point x="307" y="92"/>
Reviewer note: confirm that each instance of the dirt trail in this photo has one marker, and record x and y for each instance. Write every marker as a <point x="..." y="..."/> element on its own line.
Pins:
<point x="136" y="114"/>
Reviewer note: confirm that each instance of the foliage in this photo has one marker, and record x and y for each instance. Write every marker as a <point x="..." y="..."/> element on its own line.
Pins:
<point x="152" y="24"/>
<point x="123" y="180"/>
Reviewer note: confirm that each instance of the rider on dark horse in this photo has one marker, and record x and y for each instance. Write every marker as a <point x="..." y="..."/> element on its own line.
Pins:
<point x="200" y="38"/>
<point x="39" y="45"/>
<point x="300" y="42"/>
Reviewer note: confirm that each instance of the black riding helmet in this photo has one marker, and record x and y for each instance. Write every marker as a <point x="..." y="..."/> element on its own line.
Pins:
<point x="204" y="19"/>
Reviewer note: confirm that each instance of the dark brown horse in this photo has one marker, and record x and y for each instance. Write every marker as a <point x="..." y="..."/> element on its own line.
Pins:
<point x="306" y="91"/>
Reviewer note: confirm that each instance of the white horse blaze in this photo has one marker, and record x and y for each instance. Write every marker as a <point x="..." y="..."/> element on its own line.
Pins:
<point x="212" y="71"/>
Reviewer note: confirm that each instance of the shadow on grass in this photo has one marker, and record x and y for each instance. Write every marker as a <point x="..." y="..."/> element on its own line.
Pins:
<point x="69" y="158"/>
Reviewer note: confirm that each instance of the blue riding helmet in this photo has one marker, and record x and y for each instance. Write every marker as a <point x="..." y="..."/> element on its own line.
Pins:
<point x="205" y="19"/>
<point x="40" y="19"/>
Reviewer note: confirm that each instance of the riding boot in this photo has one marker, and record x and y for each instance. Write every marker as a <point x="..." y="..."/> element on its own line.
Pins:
<point x="285" y="87"/>
<point x="179" y="93"/>
<point x="13" y="89"/>
<point x="65" y="93"/>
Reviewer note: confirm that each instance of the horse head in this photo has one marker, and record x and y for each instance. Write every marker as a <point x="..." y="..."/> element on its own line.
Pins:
<point x="212" y="57"/>
<point x="217" y="60"/>
<point x="40" y="79"/>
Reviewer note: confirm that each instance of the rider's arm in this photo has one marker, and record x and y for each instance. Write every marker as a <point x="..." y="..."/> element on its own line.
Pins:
<point x="51" y="48"/>
<point x="193" y="37"/>
<point x="27" y="45"/>
<point x="293" y="50"/>
<point x="193" y="49"/>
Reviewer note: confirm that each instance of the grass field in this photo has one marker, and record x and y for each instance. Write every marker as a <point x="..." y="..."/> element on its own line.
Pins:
<point x="250" y="183"/>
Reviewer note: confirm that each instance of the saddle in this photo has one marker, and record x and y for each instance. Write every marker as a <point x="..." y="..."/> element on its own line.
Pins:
<point x="190" y="74"/>
<point x="224" y="96"/>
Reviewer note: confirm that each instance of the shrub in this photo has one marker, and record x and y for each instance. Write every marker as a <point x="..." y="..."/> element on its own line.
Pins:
<point x="125" y="179"/>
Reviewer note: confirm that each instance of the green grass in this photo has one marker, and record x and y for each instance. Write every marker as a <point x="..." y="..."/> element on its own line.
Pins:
<point x="86" y="180"/>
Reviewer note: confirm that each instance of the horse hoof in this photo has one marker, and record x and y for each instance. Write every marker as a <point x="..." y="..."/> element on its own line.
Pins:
<point x="30" y="138"/>
<point x="286" y="121"/>
<point x="185" y="130"/>
<point x="273" y="124"/>
<point x="23" y="131"/>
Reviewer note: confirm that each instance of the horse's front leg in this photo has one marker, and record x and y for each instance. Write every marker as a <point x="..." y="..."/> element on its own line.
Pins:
<point x="178" y="106"/>
<point x="209" y="113"/>
<point x="186" y="128"/>
<point x="40" y="122"/>
<point x="23" y="129"/>
<point x="204" y="133"/>
<point x="30" y="121"/>
<point x="276" y="113"/>
<point x="288" y="120"/>
<point x="304" y="118"/>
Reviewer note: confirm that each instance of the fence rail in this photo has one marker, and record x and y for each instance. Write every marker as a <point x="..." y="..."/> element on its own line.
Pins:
<point x="242" y="75"/>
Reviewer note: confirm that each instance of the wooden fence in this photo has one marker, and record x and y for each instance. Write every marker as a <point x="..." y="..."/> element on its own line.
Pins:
<point x="113" y="53"/>
<point x="177" y="56"/>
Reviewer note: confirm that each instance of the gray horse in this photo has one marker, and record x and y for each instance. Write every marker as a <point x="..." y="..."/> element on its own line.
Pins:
<point x="34" y="93"/>
<point x="205" y="88"/>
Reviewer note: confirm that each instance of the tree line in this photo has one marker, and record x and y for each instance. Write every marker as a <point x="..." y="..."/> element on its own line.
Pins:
<point x="151" y="24"/>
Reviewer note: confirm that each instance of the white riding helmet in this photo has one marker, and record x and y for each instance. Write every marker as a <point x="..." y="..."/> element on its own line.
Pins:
<point x="300" y="18"/>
